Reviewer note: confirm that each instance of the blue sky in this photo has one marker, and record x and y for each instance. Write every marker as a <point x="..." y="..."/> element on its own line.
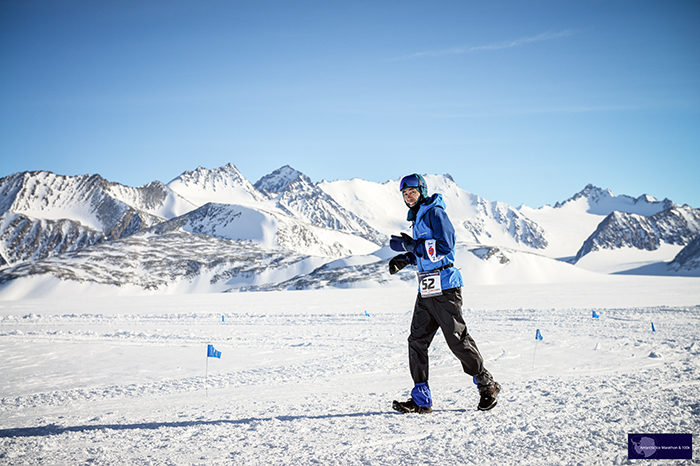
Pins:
<point x="521" y="102"/>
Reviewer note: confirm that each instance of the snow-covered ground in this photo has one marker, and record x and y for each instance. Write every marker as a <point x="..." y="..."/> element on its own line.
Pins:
<point x="307" y="377"/>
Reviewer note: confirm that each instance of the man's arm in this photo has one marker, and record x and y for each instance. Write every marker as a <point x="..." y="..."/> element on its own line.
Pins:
<point x="443" y="233"/>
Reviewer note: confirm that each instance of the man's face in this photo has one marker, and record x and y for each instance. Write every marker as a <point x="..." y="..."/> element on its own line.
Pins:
<point x="411" y="196"/>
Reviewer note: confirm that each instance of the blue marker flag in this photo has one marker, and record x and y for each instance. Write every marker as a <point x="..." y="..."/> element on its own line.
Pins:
<point x="212" y="353"/>
<point x="653" y="329"/>
<point x="595" y="315"/>
<point x="367" y="313"/>
<point x="538" y="335"/>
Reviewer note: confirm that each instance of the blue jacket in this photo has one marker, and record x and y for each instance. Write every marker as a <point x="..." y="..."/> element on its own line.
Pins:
<point x="432" y="225"/>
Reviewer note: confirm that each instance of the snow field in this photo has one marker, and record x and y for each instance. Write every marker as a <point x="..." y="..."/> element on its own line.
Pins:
<point x="307" y="378"/>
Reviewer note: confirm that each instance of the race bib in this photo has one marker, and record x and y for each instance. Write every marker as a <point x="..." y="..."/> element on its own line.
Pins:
<point x="430" y="284"/>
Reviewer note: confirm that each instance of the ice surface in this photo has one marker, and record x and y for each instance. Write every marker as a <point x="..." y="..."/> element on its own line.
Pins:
<point x="307" y="377"/>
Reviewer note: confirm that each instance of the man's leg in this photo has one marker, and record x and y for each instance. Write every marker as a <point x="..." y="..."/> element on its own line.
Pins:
<point x="448" y="314"/>
<point x="423" y="328"/>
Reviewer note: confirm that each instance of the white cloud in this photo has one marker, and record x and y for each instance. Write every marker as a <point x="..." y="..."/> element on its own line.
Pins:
<point x="495" y="46"/>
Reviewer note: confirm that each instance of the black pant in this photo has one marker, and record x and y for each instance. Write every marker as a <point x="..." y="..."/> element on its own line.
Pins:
<point x="443" y="312"/>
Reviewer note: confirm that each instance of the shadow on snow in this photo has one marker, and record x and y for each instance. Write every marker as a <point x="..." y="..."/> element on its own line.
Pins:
<point x="53" y="429"/>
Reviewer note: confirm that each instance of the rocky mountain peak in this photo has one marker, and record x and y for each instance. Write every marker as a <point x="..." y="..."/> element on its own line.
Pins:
<point x="591" y="193"/>
<point x="688" y="258"/>
<point x="223" y="185"/>
<point x="677" y="225"/>
<point x="600" y="201"/>
<point x="280" y="179"/>
<point x="204" y="177"/>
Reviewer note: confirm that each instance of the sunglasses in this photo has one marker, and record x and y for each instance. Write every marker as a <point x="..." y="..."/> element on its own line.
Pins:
<point x="410" y="181"/>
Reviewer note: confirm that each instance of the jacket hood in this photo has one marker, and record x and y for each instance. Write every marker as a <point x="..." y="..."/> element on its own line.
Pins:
<point x="433" y="201"/>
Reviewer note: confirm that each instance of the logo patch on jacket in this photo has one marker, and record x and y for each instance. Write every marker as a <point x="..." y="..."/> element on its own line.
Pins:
<point x="432" y="252"/>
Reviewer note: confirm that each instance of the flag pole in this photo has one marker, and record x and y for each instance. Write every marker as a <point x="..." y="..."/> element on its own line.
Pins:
<point x="538" y="337"/>
<point x="533" y="355"/>
<point x="211" y="353"/>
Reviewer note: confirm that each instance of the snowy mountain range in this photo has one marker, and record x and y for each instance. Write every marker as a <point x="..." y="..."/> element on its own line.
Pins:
<point x="213" y="230"/>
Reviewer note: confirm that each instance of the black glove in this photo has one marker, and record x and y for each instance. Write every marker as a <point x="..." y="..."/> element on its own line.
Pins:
<point x="399" y="262"/>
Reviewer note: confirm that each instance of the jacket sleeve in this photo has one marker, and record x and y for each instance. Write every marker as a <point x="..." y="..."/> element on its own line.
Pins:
<point x="443" y="233"/>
